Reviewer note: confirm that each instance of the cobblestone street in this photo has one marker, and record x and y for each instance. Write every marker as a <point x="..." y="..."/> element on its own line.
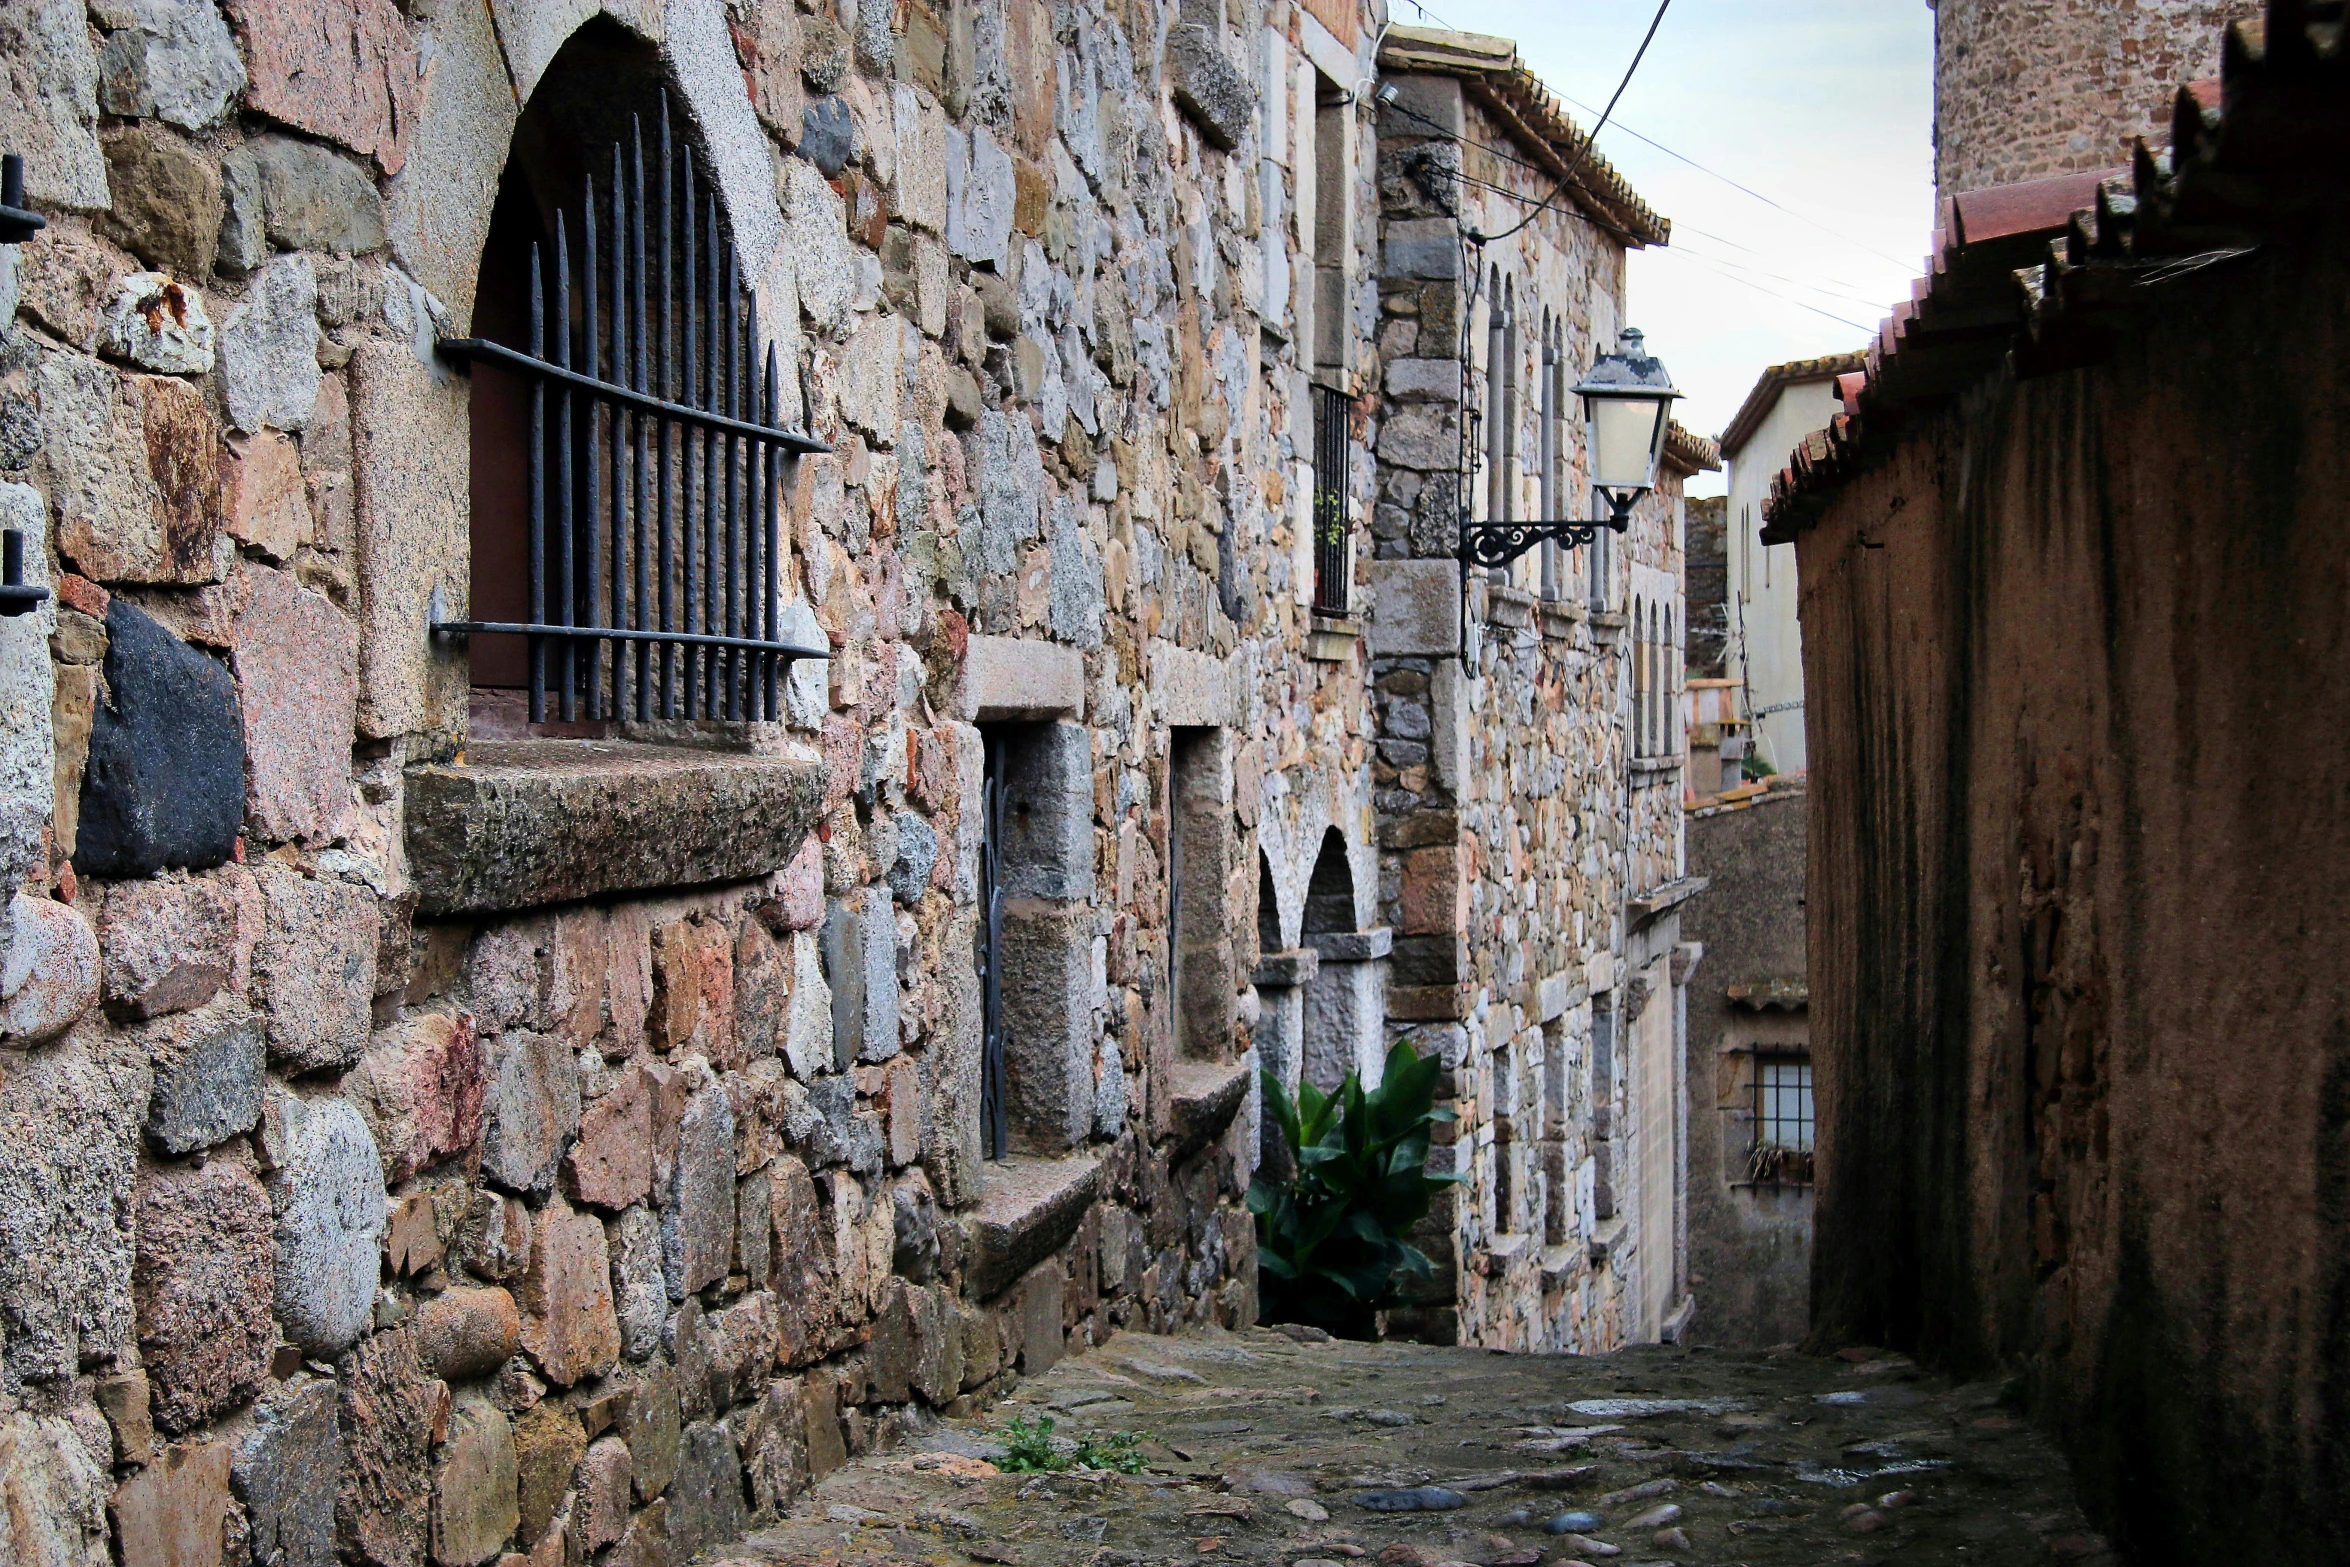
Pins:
<point x="1263" y="1449"/>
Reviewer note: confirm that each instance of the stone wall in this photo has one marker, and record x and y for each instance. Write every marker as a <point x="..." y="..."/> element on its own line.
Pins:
<point x="1749" y="1230"/>
<point x="2025" y="89"/>
<point x="2076" y="943"/>
<point x="1510" y="814"/>
<point x="432" y="1137"/>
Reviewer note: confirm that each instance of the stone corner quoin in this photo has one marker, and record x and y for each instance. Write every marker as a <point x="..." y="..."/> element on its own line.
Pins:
<point x="433" y="1133"/>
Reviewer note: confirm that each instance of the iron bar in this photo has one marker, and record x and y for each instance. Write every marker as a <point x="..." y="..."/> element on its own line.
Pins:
<point x="554" y="633"/>
<point x="767" y="596"/>
<point x="583" y="569"/>
<point x="636" y="418"/>
<point x="538" y="489"/>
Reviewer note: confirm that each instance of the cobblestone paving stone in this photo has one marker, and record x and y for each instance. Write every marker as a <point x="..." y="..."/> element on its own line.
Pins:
<point x="1261" y="1446"/>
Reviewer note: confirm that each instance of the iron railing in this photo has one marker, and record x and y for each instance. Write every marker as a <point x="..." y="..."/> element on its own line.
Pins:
<point x="656" y="562"/>
<point x="1333" y="530"/>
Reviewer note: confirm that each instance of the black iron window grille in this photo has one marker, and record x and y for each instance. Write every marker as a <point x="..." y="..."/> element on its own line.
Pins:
<point x="655" y="463"/>
<point x="1333" y="531"/>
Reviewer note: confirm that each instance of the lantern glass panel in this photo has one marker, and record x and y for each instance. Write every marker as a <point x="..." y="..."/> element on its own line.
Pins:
<point x="1624" y="441"/>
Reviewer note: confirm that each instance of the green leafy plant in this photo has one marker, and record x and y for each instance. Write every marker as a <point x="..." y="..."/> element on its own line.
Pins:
<point x="1330" y="1242"/>
<point x="1030" y="1448"/>
<point x="1120" y="1450"/>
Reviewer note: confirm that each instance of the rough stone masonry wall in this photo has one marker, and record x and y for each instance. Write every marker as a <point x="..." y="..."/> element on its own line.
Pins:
<point x="333" y="1231"/>
<point x="2056" y="854"/>
<point x="2026" y="89"/>
<point x="1502" y="799"/>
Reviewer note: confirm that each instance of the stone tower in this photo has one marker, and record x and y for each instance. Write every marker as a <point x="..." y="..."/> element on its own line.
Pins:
<point x="2024" y="89"/>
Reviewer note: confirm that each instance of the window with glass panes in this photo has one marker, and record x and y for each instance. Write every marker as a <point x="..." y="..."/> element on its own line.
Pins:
<point x="1782" y="1103"/>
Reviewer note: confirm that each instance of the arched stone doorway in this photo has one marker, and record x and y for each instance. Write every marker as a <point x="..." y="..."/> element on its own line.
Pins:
<point x="1345" y="1002"/>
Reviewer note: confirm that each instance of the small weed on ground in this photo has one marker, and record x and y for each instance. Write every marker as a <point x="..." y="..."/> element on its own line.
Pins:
<point x="1029" y="1448"/>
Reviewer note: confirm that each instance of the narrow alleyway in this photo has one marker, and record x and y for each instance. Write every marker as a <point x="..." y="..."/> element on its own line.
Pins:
<point x="1263" y="1449"/>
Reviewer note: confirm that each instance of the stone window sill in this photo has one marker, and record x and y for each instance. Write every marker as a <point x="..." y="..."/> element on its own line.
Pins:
<point x="1331" y="639"/>
<point x="1655" y="766"/>
<point x="1028" y="1209"/>
<point x="1660" y="899"/>
<point x="1608" y="1240"/>
<point x="1607" y="626"/>
<point x="516" y="824"/>
<point x="1560" y="617"/>
<point x="1559" y="1264"/>
<point x="1203" y="1097"/>
<point x="1509" y="606"/>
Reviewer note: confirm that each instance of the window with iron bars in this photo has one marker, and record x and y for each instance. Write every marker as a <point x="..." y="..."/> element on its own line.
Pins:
<point x="655" y="459"/>
<point x="1782" y="1151"/>
<point x="1333" y="529"/>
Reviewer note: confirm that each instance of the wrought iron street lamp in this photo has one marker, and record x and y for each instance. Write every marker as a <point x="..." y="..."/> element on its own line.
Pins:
<point x="1627" y="402"/>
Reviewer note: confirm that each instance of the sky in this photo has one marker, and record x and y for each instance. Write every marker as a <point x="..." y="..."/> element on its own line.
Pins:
<point x="1824" y="107"/>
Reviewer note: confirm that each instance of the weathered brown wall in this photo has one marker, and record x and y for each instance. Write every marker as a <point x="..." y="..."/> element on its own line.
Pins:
<point x="2075" y="661"/>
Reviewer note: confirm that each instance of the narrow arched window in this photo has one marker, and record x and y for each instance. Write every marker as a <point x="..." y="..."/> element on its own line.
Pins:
<point x="1639" y="678"/>
<point x="1496" y="329"/>
<point x="627" y="453"/>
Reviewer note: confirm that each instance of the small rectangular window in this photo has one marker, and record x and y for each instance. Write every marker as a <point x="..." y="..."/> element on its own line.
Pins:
<point x="1782" y="1120"/>
<point x="1333" y="527"/>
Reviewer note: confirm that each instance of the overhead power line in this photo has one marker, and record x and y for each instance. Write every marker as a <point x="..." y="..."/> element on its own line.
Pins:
<point x="1776" y="205"/>
<point x="1592" y="136"/>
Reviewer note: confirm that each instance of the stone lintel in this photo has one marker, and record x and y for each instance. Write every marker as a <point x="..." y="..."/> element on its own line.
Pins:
<point x="520" y="823"/>
<point x="1204" y="1096"/>
<point x="1287" y="970"/>
<point x="1009" y="679"/>
<point x="1194" y="689"/>
<point x="1028" y="1208"/>
<point x="1355" y="946"/>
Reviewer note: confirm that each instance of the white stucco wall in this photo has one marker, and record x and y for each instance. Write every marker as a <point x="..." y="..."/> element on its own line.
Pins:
<point x="1766" y="644"/>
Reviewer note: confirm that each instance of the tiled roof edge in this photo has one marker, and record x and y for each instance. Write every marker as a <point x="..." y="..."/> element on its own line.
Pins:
<point x="1533" y="115"/>
<point x="1773" y="381"/>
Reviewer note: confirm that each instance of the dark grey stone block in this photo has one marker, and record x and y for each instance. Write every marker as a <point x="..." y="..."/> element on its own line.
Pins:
<point x="166" y="779"/>
<point x="208" y="1079"/>
<point x="826" y="135"/>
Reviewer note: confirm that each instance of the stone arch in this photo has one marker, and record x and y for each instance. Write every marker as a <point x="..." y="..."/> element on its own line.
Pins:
<point x="481" y="75"/>
<point x="1268" y="906"/>
<point x="1330" y="890"/>
<point x="1344" y="1024"/>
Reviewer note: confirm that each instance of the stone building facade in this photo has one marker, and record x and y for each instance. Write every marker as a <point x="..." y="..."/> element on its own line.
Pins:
<point x="1751" y="1123"/>
<point x="1529" y="803"/>
<point x="436" y="1126"/>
